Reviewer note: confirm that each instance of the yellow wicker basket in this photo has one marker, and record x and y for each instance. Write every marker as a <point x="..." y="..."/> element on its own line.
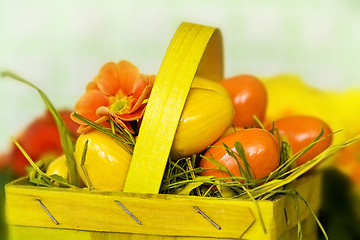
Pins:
<point x="139" y="212"/>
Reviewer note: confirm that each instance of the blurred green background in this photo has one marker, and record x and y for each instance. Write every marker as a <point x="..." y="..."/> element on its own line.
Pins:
<point x="60" y="45"/>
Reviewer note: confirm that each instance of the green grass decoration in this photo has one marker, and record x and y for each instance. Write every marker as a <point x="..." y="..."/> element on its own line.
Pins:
<point x="197" y="182"/>
<point x="245" y="166"/>
<point x="39" y="177"/>
<point x="123" y="137"/>
<point x="65" y="135"/>
<point x="313" y="214"/>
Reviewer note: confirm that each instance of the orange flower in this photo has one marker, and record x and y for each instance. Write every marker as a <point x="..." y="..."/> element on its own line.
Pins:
<point x="119" y="91"/>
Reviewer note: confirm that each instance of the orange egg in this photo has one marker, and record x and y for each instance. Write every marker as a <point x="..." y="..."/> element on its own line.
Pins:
<point x="261" y="149"/>
<point x="249" y="98"/>
<point x="300" y="132"/>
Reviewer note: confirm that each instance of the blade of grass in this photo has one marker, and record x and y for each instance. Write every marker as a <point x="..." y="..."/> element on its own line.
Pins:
<point x="257" y="207"/>
<point x="82" y="164"/>
<point x="257" y="120"/>
<point x="225" y="191"/>
<point x="37" y="169"/>
<point x="219" y="165"/>
<point x="65" y="135"/>
<point x="278" y="183"/>
<point x="189" y="164"/>
<point x="314" y="215"/>
<point x="242" y="155"/>
<point x="295" y="200"/>
<point x="240" y="167"/>
<point x="124" y="143"/>
<point x="198" y="181"/>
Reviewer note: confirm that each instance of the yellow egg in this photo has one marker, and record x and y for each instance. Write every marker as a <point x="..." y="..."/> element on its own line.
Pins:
<point x="58" y="166"/>
<point x="106" y="162"/>
<point x="207" y="114"/>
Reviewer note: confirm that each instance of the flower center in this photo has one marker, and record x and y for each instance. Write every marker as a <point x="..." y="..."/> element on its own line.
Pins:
<point x="120" y="104"/>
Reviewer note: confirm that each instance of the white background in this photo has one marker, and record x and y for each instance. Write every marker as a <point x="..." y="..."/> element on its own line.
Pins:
<point x="60" y="45"/>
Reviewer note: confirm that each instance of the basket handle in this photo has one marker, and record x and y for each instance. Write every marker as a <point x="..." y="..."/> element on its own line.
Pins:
<point x="194" y="49"/>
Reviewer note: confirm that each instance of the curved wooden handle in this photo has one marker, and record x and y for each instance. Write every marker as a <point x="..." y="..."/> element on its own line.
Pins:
<point x="194" y="50"/>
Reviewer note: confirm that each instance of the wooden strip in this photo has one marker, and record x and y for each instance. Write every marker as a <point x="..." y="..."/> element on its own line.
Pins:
<point x="160" y="215"/>
<point x="167" y="100"/>
<point x="37" y="233"/>
<point x="163" y="216"/>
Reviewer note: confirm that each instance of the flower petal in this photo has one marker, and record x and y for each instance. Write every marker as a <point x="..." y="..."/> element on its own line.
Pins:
<point x="124" y="124"/>
<point x="134" y="115"/>
<point x="116" y="77"/>
<point x="142" y="90"/>
<point x="85" y="128"/>
<point x="89" y="102"/>
<point x="122" y="119"/>
<point x="141" y="83"/>
<point x="92" y="86"/>
<point x="104" y="111"/>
